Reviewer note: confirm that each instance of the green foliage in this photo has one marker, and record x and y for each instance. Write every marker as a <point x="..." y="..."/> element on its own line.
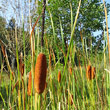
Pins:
<point x="91" y="18"/>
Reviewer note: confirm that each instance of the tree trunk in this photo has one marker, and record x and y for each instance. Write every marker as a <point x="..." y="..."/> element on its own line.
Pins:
<point x="43" y="22"/>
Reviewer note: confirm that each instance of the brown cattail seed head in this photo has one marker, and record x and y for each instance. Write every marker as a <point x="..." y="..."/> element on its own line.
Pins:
<point x="70" y="70"/>
<point x="59" y="76"/>
<point x="40" y="73"/>
<point x="90" y="72"/>
<point x="29" y="84"/>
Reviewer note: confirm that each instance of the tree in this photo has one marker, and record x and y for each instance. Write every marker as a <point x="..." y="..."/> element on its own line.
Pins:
<point x="2" y="27"/>
<point x="91" y="18"/>
<point x="43" y="22"/>
<point x="11" y="37"/>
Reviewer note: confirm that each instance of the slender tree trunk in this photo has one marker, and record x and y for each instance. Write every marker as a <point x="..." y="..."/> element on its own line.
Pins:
<point x="43" y="22"/>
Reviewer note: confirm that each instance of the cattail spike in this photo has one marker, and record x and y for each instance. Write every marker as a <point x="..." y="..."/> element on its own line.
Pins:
<point x="59" y="76"/>
<point x="40" y="73"/>
<point x="70" y="70"/>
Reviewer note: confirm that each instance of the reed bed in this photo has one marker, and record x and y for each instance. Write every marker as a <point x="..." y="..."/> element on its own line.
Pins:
<point x="42" y="82"/>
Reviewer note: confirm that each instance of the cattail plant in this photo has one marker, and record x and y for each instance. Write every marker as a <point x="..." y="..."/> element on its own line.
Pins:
<point x="29" y="84"/>
<point x="90" y="72"/>
<point x="40" y="73"/>
<point x="59" y="76"/>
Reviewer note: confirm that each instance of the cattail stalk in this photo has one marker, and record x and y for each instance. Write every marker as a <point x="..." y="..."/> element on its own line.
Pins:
<point x="50" y="61"/>
<point x="29" y="84"/>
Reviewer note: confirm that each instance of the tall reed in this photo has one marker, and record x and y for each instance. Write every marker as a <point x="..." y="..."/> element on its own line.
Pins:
<point x="40" y="78"/>
<point x="29" y="84"/>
